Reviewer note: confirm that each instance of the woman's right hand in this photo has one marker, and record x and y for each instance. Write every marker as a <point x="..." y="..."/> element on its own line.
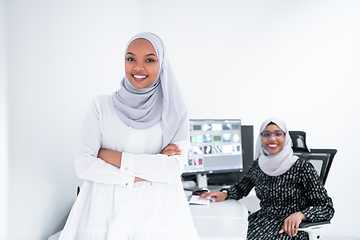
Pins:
<point x="171" y="150"/>
<point x="214" y="195"/>
<point x="110" y="156"/>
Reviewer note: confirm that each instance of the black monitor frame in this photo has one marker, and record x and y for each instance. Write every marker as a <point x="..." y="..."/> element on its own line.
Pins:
<point x="229" y="177"/>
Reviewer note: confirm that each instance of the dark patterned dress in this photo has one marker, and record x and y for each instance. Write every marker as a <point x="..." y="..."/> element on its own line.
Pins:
<point x="297" y="190"/>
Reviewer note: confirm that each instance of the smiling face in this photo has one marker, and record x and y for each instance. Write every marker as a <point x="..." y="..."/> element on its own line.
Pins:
<point x="141" y="63"/>
<point x="275" y="143"/>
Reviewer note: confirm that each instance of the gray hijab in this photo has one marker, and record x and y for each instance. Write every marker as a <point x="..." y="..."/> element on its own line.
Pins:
<point x="161" y="101"/>
<point x="277" y="164"/>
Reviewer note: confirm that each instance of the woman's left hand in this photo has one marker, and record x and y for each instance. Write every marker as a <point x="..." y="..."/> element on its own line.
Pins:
<point x="171" y="150"/>
<point x="137" y="179"/>
<point x="291" y="223"/>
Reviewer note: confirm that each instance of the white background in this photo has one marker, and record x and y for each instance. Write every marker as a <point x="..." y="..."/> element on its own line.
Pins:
<point x="296" y="60"/>
<point x="3" y="131"/>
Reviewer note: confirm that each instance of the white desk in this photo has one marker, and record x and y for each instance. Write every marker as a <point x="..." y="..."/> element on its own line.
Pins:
<point x="223" y="220"/>
<point x="217" y="221"/>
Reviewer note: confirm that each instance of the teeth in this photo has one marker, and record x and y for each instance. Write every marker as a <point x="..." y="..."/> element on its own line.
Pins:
<point x="272" y="145"/>
<point x="138" y="76"/>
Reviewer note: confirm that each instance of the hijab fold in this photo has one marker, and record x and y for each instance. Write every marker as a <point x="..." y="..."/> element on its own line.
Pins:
<point x="277" y="164"/>
<point x="161" y="101"/>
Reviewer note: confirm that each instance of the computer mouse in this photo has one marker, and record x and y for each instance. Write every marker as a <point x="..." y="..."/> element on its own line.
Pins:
<point x="199" y="192"/>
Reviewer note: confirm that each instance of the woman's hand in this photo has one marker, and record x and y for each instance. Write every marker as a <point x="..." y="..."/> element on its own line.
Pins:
<point x="114" y="158"/>
<point x="214" y="195"/>
<point x="137" y="179"/>
<point x="291" y="223"/>
<point x="171" y="150"/>
<point x="110" y="156"/>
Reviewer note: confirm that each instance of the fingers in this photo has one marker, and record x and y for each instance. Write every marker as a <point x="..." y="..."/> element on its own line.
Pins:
<point x="215" y="196"/>
<point x="173" y="147"/>
<point x="295" y="230"/>
<point x="291" y="224"/>
<point x="289" y="227"/>
<point x="137" y="179"/>
<point x="206" y="195"/>
<point x="171" y="150"/>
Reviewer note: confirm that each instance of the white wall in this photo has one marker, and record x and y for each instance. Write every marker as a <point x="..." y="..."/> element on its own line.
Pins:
<point x="297" y="60"/>
<point x="58" y="59"/>
<point x="3" y="130"/>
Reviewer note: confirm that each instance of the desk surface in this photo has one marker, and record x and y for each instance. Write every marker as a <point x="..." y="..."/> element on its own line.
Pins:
<point x="222" y="220"/>
<point x="225" y="209"/>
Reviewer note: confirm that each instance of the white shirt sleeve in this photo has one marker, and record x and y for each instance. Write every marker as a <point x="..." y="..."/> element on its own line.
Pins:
<point x="87" y="165"/>
<point x="156" y="167"/>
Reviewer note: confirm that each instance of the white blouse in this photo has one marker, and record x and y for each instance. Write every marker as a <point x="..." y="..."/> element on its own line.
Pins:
<point x="110" y="204"/>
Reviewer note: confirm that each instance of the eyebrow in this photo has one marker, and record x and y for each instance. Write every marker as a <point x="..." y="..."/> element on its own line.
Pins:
<point x="147" y="55"/>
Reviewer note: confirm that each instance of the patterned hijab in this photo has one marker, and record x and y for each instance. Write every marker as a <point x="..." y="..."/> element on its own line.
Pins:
<point x="277" y="164"/>
<point x="161" y="101"/>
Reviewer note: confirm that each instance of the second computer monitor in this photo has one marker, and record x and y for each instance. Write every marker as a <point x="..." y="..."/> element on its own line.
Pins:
<point x="215" y="146"/>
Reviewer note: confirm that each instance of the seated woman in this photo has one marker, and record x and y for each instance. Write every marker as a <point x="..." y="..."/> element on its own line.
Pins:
<point x="288" y="188"/>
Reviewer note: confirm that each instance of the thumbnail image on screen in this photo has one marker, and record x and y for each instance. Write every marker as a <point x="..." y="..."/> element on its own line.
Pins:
<point x="207" y="138"/>
<point x="197" y="139"/>
<point x="227" y="137"/>
<point x="208" y="149"/>
<point x="217" y="138"/>
<point x="216" y="127"/>
<point x="197" y="150"/>
<point x="206" y="127"/>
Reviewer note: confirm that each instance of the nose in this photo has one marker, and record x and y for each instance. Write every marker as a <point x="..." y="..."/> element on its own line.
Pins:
<point x="272" y="137"/>
<point x="139" y="66"/>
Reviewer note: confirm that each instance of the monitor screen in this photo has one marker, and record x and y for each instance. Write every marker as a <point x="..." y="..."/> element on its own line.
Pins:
<point x="215" y="146"/>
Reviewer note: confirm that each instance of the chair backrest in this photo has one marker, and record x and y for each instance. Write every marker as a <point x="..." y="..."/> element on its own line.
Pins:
<point x="321" y="159"/>
<point x="299" y="141"/>
<point x="332" y="153"/>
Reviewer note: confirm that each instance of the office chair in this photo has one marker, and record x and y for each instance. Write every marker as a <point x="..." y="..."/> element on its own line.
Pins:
<point x="321" y="160"/>
<point x="299" y="141"/>
<point x="332" y="153"/>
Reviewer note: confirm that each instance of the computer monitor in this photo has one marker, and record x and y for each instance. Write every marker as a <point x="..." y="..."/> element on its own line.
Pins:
<point x="215" y="147"/>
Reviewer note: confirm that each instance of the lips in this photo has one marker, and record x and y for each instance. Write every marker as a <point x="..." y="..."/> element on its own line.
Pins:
<point x="139" y="78"/>
<point x="273" y="146"/>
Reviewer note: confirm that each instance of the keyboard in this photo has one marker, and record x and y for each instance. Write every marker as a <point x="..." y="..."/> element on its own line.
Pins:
<point x="195" y="200"/>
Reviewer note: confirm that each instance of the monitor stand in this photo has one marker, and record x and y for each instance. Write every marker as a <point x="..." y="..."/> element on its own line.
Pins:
<point x="202" y="183"/>
<point x="201" y="180"/>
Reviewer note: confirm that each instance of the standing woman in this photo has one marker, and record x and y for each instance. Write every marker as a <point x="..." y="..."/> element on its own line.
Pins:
<point x="288" y="188"/>
<point x="131" y="154"/>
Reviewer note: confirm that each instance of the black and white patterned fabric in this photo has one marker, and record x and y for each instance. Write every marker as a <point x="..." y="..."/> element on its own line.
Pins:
<point x="298" y="189"/>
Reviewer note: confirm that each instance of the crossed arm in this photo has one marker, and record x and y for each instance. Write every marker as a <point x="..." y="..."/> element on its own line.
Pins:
<point x="114" y="157"/>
